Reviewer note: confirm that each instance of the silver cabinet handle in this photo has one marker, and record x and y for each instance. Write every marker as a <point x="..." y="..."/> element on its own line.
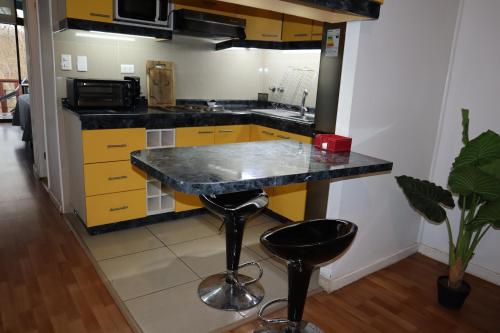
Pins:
<point x="123" y="145"/>
<point x="205" y="132"/>
<point x="117" y="177"/>
<point x="226" y="131"/>
<point x="267" y="133"/>
<point x="300" y="35"/>
<point x="118" y="208"/>
<point x="99" y="15"/>
<point x="269" y="35"/>
<point x="283" y="137"/>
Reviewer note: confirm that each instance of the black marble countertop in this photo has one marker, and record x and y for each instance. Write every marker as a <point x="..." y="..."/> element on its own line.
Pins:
<point x="230" y="168"/>
<point x="153" y="118"/>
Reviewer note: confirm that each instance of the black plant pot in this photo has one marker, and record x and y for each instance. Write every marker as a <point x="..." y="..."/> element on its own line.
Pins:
<point x="452" y="298"/>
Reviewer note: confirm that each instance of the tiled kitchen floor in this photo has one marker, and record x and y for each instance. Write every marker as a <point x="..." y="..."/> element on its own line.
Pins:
<point x="155" y="271"/>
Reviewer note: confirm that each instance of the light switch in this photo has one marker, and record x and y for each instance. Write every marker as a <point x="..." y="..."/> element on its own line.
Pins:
<point x="81" y="63"/>
<point x="127" y="69"/>
<point x="66" y="62"/>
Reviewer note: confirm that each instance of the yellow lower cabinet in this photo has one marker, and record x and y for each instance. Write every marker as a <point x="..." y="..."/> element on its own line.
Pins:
<point x="185" y="202"/>
<point x="232" y="134"/>
<point x="194" y="136"/>
<point x="115" y="207"/>
<point x="110" y="177"/>
<point x="289" y="201"/>
<point x="281" y="135"/>
<point x="112" y="144"/>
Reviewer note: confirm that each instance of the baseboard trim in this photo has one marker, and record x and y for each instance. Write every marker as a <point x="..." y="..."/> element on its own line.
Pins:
<point x="473" y="269"/>
<point x="331" y="285"/>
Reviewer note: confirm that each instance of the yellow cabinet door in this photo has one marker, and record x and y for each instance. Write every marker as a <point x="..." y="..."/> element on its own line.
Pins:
<point x="317" y="30"/>
<point x="110" y="177"/>
<point x="112" y="144"/>
<point x="289" y="201"/>
<point x="262" y="25"/>
<point x="232" y="134"/>
<point x="185" y="202"/>
<point x="296" y="29"/>
<point x="194" y="136"/>
<point x="261" y="133"/>
<point x="281" y="135"/>
<point x="92" y="10"/>
<point x="115" y="207"/>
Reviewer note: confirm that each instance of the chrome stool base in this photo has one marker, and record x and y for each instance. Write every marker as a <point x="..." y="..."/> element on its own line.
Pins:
<point x="217" y="292"/>
<point x="303" y="327"/>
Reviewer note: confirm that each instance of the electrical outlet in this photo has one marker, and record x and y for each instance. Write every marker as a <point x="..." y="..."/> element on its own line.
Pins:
<point x="127" y="69"/>
<point x="81" y="63"/>
<point x="66" y="62"/>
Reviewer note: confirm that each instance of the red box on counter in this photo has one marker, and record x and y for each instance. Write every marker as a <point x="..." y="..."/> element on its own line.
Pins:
<point x="332" y="142"/>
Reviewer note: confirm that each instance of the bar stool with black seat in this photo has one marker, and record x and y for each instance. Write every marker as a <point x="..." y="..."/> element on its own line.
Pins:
<point x="303" y="245"/>
<point x="229" y="290"/>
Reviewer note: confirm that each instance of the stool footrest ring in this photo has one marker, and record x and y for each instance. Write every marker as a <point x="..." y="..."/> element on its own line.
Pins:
<point x="251" y="263"/>
<point x="268" y="304"/>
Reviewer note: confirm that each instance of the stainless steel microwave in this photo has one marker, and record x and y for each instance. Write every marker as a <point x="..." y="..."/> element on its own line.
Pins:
<point x="144" y="12"/>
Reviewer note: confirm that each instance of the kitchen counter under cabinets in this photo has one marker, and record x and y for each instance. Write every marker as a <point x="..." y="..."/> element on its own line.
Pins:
<point x="108" y="193"/>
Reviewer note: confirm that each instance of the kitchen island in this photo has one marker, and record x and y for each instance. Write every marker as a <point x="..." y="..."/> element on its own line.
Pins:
<point x="239" y="167"/>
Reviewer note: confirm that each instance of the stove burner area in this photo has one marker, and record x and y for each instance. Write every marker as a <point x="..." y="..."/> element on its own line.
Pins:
<point x="201" y="108"/>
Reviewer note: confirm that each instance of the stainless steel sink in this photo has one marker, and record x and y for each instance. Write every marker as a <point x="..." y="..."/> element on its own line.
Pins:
<point x="286" y="114"/>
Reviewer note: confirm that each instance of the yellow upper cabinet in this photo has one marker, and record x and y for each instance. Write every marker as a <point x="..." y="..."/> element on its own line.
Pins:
<point x="317" y="30"/>
<point x="232" y="134"/>
<point x="93" y="10"/>
<point x="296" y="29"/>
<point x="262" y="24"/>
<point x="112" y="144"/>
<point x="194" y="136"/>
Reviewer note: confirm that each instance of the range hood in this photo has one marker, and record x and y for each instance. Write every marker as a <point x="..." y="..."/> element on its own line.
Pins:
<point x="199" y="24"/>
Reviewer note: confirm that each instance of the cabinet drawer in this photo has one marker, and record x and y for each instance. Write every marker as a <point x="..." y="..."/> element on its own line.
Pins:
<point x="194" y="136"/>
<point x="112" y="145"/>
<point x="232" y="134"/>
<point x="115" y="207"/>
<point x="93" y="10"/>
<point x="261" y="133"/>
<point x="101" y="178"/>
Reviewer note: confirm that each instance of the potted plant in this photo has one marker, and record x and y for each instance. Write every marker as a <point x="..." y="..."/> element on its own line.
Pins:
<point x="475" y="180"/>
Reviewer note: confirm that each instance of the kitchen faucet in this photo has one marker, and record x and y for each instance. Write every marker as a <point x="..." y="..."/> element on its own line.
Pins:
<point x="303" y="108"/>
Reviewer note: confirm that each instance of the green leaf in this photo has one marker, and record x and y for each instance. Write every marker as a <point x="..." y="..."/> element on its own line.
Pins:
<point x="465" y="126"/>
<point x="492" y="169"/>
<point x="426" y="197"/>
<point x="468" y="180"/>
<point x="482" y="150"/>
<point x="488" y="213"/>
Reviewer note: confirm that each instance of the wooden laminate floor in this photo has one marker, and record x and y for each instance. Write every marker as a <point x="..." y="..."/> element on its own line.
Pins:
<point x="47" y="284"/>
<point x="401" y="298"/>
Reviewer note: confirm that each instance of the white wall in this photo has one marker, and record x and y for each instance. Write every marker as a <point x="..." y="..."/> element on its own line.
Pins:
<point x="398" y="83"/>
<point x="474" y="83"/>
<point x="200" y="71"/>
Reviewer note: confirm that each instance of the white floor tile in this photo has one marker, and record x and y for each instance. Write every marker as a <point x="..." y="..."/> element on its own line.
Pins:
<point x="178" y="310"/>
<point x="117" y="243"/>
<point x="182" y="230"/>
<point x="207" y="256"/>
<point x="146" y="272"/>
